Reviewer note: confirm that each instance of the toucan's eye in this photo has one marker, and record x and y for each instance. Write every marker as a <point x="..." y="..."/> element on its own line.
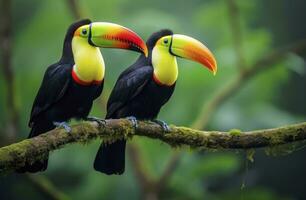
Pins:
<point x="84" y="31"/>
<point x="166" y="41"/>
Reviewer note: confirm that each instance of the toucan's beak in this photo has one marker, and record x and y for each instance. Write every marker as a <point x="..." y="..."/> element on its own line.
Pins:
<point x="190" y="48"/>
<point x="109" y="35"/>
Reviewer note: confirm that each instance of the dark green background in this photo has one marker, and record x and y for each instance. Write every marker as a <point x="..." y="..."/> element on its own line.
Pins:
<point x="273" y="98"/>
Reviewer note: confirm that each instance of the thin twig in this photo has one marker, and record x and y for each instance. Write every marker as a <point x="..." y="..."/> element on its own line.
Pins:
<point x="234" y="24"/>
<point x="43" y="184"/>
<point x="7" y="69"/>
<point x="144" y="179"/>
<point x="74" y="9"/>
<point x="169" y="170"/>
<point x="239" y="81"/>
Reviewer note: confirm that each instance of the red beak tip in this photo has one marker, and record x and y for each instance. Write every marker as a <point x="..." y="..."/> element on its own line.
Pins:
<point x="212" y="67"/>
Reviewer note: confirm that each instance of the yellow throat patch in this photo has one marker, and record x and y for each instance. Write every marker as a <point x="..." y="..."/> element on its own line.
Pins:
<point x="165" y="66"/>
<point x="89" y="64"/>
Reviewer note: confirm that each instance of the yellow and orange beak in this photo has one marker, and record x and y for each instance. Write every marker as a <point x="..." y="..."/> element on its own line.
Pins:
<point x="190" y="48"/>
<point x="109" y="35"/>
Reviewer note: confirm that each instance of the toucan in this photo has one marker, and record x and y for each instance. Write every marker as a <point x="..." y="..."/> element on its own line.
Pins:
<point x="70" y="86"/>
<point x="143" y="88"/>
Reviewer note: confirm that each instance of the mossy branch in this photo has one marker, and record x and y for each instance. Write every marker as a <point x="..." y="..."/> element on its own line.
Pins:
<point x="30" y="150"/>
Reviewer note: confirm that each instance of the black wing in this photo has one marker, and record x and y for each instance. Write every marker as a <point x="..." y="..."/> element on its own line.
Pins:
<point x="54" y="85"/>
<point x="128" y="86"/>
<point x="99" y="90"/>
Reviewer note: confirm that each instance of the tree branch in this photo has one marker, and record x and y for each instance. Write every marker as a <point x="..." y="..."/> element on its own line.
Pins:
<point x="43" y="184"/>
<point x="223" y="94"/>
<point x="30" y="150"/>
<point x="236" y="31"/>
<point x="146" y="182"/>
<point x="9" y="133"/>
<point x="169" y="170"/>
<point x="7" y="69"/>
<point x="74" y="9"/>
<point x="232" y="87"/>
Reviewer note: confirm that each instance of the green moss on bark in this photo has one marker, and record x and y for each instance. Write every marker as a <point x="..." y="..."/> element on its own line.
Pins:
<point x="235" y="132"/>
<point x="31" y="150"/>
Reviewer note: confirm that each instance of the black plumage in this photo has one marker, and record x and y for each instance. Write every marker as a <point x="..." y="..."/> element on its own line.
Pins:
<point x="59" y="97"/>
<point x="135" y="94"/>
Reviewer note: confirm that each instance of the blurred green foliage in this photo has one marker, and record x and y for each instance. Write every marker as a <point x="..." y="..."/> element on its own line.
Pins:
<point x="38" y="31"/>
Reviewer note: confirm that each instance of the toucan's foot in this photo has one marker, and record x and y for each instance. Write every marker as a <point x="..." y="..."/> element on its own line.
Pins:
<point x="163" y="124"/>
<point x="64" y="125"/>
<point x="101" y="122"/>
<point x="133" y="120"/>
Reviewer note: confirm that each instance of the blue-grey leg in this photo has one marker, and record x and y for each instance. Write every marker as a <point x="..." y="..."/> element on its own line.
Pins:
<point x="101" y="122"/>
<point x="133" y="120"/>
<point x="64" y="125"/>
<point x="163" y="124"/>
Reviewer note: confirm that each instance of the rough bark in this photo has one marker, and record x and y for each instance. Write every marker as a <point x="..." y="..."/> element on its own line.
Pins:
<point x="30" y="150"/>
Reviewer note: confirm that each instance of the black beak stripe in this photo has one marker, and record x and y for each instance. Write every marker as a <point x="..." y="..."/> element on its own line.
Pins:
<point x="170" y="46"/>
<point x="89" y="36"/>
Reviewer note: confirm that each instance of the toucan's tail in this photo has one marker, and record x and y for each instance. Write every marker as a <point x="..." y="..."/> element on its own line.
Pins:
<point x="40" y="165"/>
<point x="110" y="158"/>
